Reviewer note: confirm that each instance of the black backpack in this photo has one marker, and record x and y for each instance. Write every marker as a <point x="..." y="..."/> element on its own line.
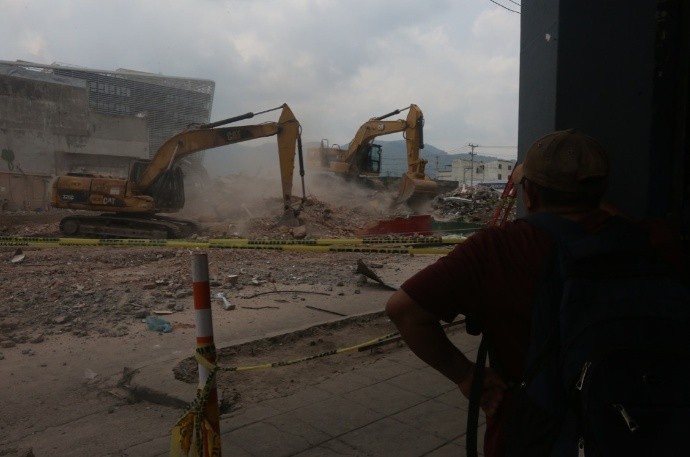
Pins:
<point x="608" y="366"/>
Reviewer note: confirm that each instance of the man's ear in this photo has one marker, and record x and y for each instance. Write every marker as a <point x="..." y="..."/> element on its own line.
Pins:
<point x="530" y="197"/>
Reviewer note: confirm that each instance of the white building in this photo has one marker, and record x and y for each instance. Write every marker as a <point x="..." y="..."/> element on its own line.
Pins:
<point x="472" y="172"/>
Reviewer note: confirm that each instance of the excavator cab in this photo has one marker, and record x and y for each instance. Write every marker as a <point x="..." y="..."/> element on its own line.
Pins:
<point x="369" y="163"/>
<point x="167" y="190"/>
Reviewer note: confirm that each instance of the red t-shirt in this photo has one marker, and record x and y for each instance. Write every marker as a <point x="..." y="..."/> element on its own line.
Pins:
<point x="492" y="277"/>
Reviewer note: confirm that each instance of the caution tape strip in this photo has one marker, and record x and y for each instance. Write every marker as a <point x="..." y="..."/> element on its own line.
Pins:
<point x="285" y="363"/>
<point x="202" y="350"/>
<point x="235" y="241"/>
<point x="194" y="428"/>
<point x="342" y="245"/>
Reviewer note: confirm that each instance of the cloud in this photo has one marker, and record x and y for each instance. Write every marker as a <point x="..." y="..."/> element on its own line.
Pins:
<point x="336" y="63"/>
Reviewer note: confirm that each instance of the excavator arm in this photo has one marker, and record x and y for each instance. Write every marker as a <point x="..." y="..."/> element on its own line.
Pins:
<point x="348" y="162"/>
<point x="289" y="138"/>
<point x="191" y="141"/>
<point x="210" y="136"/>
<point x="415" y="187"/>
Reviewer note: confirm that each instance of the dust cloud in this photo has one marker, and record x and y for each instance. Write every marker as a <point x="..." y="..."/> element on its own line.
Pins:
<point x="237" y="188"/>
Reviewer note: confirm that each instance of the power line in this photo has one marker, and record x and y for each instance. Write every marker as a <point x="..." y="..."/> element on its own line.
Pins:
<point x="504" y="7"/>
<point x="457" y="150"/>
<point x="514" y="3"/>
<point x="496" y="147"/>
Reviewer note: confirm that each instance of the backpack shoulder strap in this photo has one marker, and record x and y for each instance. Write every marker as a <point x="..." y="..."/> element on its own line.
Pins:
<point x="617" y="235"/>
<point x="475" y="395"/>
<point x="553" y="226"/>
<point x="558" y="229"/>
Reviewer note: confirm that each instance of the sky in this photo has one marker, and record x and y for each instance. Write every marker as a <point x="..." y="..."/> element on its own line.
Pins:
<point x="336" y="63"/>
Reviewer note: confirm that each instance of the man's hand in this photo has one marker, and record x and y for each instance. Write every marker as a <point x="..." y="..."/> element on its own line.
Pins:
<point x="492" y="392"/>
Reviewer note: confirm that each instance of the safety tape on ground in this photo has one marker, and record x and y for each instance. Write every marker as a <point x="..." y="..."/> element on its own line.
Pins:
<point x="203" y="361"/>
<point x="194" y="427"/>
<point x="344" y="245"/>
<point x="220" y="242"/>
<point x="201" y="351"/>
<point x="27" y="241"/>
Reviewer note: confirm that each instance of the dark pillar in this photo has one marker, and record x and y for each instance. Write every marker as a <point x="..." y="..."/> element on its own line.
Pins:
<point x="617" y="70"/>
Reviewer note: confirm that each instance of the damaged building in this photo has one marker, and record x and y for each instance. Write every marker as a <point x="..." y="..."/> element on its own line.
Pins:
<point x="57" y="119"/>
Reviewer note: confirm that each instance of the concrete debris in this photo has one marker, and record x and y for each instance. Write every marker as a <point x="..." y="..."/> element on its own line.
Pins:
<point x="18" y="256"/>
<point x="227" y="306"/>
<point x="472" y="204"/>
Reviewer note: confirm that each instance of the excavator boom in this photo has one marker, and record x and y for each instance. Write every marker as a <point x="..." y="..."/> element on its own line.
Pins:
<point x="191" y="141"/>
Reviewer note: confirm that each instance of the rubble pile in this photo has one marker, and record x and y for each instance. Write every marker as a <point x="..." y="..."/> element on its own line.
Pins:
<point x="475" y="204"/>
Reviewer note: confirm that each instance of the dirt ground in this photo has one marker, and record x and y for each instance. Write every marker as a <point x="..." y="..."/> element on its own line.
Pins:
<point x="73" y="331"/>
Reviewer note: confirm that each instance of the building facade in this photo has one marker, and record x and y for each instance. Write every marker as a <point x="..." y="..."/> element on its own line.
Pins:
<point x="471" y="172"/>
<point x="56" y="119"/>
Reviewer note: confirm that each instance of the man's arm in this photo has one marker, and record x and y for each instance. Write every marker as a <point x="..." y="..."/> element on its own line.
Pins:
<point x="424" y="335"/>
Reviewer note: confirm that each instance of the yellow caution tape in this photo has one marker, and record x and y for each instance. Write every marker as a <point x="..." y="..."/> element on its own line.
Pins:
<point x="194" y="428"/>
<point x="203" y="361"/>
<point x="318" y="245"/>
<point x="35" y="239"/>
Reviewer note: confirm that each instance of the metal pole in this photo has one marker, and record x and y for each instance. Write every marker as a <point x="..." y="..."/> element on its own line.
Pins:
<point x="206" y="347"/>
<point x="472" y="163"/>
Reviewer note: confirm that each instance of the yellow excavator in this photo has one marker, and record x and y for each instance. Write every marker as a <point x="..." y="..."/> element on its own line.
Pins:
<point x="363" y="157"/>
<point x="131" y="207"/>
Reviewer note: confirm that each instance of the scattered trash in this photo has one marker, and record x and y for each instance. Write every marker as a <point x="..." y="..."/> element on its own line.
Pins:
<point x="18" y="256"/>
<point x="157" y="324"/>
<point x="162" y="311"/>
<point x="226" y="303"/>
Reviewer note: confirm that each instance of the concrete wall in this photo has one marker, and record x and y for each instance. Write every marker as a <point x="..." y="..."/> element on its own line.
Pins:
<point x="41" y="118"/>
<point x="24" y="192"/>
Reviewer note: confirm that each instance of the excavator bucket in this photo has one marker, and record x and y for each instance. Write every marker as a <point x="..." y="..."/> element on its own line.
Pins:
<point x="415" y="191"/>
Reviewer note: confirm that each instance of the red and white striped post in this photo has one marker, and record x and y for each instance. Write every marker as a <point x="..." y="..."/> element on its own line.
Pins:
<point x="206" y="347"/>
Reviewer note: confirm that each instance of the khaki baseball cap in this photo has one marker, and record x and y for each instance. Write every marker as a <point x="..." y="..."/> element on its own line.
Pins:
<point x="567" y="161"/>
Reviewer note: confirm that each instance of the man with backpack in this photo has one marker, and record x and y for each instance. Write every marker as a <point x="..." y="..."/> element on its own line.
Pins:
<point x="549" y="293"/>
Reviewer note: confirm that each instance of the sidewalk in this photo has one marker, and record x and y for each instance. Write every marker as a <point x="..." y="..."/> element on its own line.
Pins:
<point x="395" y="407"/>
<point x="392" y="406"/>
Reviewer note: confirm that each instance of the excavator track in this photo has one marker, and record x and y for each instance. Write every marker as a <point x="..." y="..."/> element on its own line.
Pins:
<point x="126" y="226"/>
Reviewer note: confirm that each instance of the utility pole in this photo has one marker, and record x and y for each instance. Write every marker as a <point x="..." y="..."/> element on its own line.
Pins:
<point x="472" y="163"/>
